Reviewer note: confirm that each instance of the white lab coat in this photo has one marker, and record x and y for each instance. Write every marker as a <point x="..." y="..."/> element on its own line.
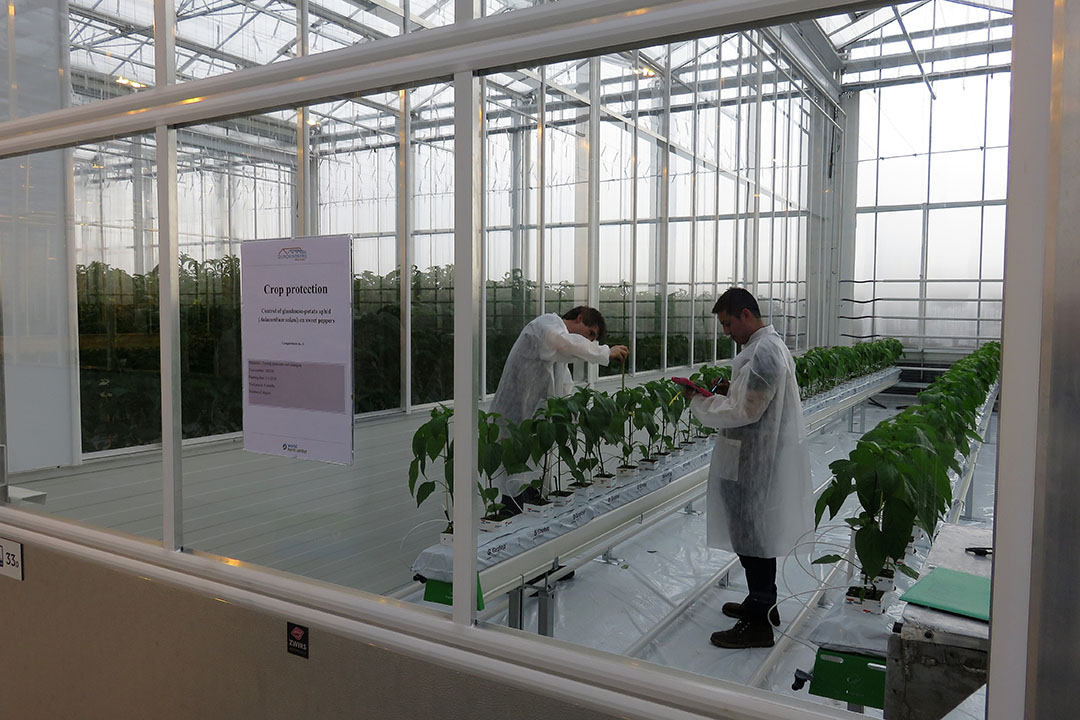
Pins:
<point x="536" y="369"/>
<point x="759" y="492"/>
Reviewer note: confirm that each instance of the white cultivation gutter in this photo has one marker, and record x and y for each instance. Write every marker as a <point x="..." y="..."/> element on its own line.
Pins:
<point x="611" y="527"/>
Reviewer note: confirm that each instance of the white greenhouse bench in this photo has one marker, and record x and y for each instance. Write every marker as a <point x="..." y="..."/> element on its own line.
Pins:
<point x="522" y="557"/>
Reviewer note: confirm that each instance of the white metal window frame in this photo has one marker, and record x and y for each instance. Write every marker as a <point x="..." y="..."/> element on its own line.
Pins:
<point x="473" y="46"/>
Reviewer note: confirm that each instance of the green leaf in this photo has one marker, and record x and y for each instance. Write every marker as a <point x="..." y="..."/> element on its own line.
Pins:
<point x="419" y="441"/>
<point x="869" y="549"/>
<point x="435" y="443"/>
<point x="414" y="473"/>
<point x="824" y="559"/>
<point x="822" y="503"/>
<point x="897" y="521"/>
<point x="907" y="571"/>
<point x="424" y="491"/>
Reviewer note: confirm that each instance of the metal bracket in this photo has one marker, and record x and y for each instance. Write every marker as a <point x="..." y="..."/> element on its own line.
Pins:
<point x="516" y="612"/>
<point x="689" y="510"/>
<point x="608" y="559"/>
<point x="545" y="616"/>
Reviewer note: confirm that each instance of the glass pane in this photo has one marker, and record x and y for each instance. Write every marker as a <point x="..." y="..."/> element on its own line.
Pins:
<point x="997" y="173"/>
<point x="956" y="176"/>
<point x="905" y="118"/>
<point x="959" y="113"/>
<point x="902" y="180"/>
<point x="512" y="253"/>
<point x="234" y="36"/>
<point x="432" y="240"/>
<point x="953" y="243"/>
<point x="80" y="386"/>
<point x="993" y="242"/>
<point x="296" y="515"/>
<point x="679" y="323"/>
<point x="899" y="245"/>
<point x="111" y="53"/>
<point x="866" y="183"/>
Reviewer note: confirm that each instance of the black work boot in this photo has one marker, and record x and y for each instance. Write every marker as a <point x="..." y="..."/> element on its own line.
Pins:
<point x="735" y="610"/>
<point x="744" y="635"/>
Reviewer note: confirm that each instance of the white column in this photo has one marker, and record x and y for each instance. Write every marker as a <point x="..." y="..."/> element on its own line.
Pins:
<point x="1034" y="634"/>
<point x="406" y="249"/>
<point x="168" y="289"/>
<point x="468" y="192"/>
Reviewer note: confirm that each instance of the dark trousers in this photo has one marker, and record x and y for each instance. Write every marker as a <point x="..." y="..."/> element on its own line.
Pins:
<point x="761" y="580"/>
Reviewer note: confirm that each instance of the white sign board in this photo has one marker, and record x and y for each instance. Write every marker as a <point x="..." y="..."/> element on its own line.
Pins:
<point x="10" y="559"/>
<point x="297" y="347"/>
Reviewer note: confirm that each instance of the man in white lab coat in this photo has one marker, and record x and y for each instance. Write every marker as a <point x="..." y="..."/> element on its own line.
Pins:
<point x="536" y="368"/>
<point x="759" y="492"/>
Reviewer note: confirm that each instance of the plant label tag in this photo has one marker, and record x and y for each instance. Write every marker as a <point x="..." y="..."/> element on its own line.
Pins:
<point x="11" y="563"/>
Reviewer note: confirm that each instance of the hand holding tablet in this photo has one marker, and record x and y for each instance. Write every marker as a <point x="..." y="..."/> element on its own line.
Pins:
<point x="691" y="385"/>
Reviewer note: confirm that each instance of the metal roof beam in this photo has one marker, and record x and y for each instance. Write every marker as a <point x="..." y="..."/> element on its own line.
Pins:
<point x="935" y="33"/>
<point x="928" y="56"/>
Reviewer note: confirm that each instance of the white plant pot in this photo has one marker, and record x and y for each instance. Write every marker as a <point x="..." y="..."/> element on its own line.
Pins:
<point x="884" y="583"/>
<point x="603" y="483"/>
<point x="626" y="472"/>
<point x="562" y="500"/>
<point x="583" y="495"/>
<point x="534" y="510"/>
<point x="867" y="604"/>
<point x="495" y="525"/>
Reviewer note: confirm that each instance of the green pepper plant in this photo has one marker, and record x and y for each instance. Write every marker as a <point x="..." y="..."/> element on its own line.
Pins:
<point x="598" y="411"/>
<point x="433" y="441"/>
<point x="661" y="395"/>
<point x="900" y="469"/>
<point x="629" y="418"/>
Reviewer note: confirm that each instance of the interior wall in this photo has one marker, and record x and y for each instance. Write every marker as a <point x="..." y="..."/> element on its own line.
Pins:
<point x="85" y="641"/>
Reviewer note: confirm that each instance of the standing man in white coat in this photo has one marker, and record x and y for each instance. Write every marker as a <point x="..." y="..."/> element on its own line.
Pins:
<point x="759" y="492"/>
<point x="537" y="369"/>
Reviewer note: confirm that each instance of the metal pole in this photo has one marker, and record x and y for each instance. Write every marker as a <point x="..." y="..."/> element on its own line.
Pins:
<point x="405" y="241"/>
<point x="304" y="179"/>
<point x="663" y="214"/>
<point x="634" y="218"/>
<point x="467" y="283"/>
<point x="693" y="206"/>
<point x="914" y="52"/>
<point x="169" y="291"/>
<point x="541" y="190"/>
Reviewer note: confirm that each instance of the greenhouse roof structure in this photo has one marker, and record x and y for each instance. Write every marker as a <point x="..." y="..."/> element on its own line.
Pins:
<point x="112" y="51"/>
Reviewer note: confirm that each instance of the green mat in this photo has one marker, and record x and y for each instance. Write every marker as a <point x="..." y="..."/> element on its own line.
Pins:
<point x="952" y="591"/>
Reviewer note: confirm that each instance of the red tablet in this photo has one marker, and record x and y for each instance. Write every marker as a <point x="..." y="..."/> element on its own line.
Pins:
<point x="686" y="382"/>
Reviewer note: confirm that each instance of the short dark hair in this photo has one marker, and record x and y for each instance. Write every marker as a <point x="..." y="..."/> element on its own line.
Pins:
<point x="734" y="301"/>
<point x="590" y="316"/>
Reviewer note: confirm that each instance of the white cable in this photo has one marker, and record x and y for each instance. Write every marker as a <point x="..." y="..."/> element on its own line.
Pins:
<point x="419" y="525"/>
<point x="792" y="597"/>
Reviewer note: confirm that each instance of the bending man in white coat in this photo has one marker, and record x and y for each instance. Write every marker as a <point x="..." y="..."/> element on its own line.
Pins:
<point x="536" y="369"/>
<point x="759" y="492"/>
